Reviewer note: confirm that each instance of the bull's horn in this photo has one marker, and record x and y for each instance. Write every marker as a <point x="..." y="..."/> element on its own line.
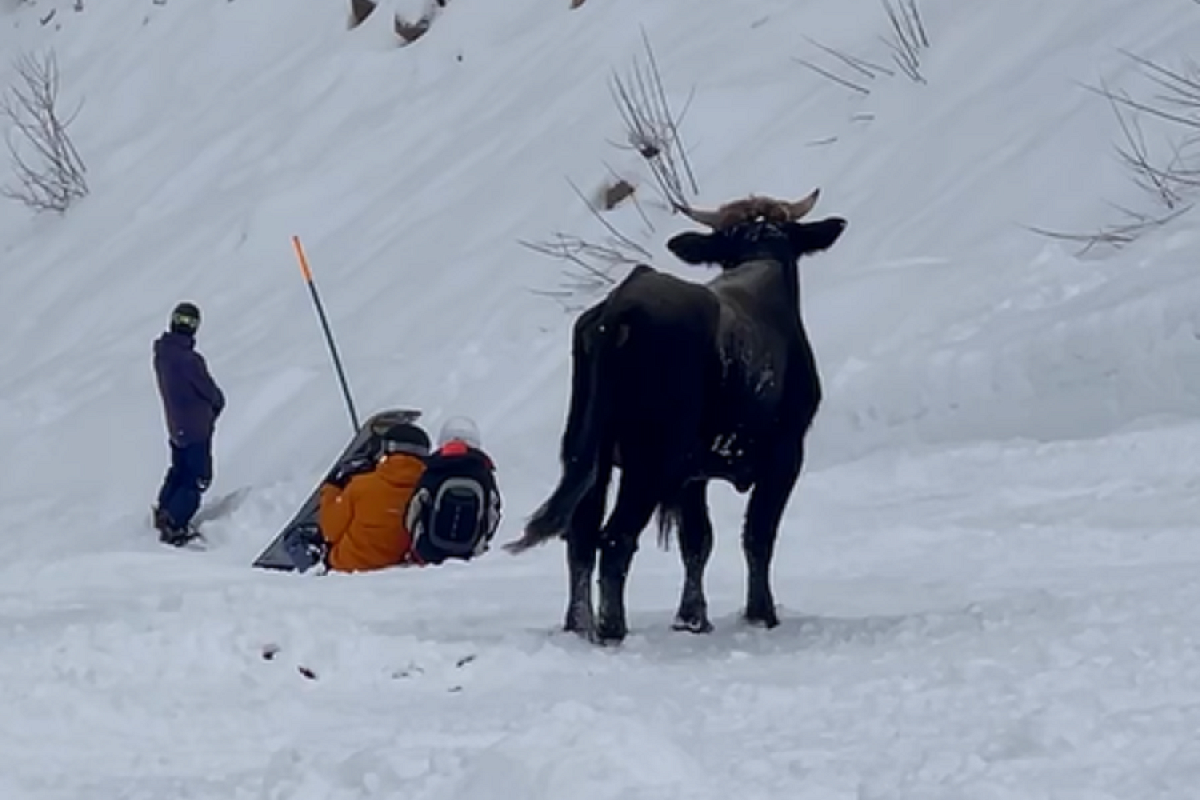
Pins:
<point x="709" y="218"/>
<point x="801" y="207"/>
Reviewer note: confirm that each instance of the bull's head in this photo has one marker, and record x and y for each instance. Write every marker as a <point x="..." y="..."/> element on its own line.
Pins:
<point x="755" y="227"/>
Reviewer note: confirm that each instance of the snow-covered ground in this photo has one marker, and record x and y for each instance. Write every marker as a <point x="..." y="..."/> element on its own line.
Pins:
<point x="988" y="574"/>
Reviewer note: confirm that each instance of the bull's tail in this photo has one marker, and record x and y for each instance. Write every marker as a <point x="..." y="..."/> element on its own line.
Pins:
<point x="670" y="519"/>
<point x="584" y="443"/>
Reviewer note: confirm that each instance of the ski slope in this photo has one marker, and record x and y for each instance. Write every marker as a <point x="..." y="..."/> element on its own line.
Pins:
<point x="987" y="573"/>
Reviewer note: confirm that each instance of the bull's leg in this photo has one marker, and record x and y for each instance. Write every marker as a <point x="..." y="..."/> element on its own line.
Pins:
<point x="763" y="514"/>
<point x="695" y="546"/>
<point x="582" y="542"/>
<point x="618" y="542"/>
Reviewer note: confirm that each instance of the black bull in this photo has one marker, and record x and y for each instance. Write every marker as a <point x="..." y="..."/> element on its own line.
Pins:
<point x="678" y="383"/>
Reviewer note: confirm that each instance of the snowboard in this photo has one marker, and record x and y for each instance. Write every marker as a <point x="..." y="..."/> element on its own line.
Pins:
<point x="302" y="527"/>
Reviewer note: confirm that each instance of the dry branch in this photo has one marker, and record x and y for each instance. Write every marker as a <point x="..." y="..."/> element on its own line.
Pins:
<point x="1116" y="235"/>
<point x="1169" y="180"/>
<point x="652" y="129"/>
<point x="591" y="266"/>
<point x="52" y="178"/>
<point x="906" y="39"/>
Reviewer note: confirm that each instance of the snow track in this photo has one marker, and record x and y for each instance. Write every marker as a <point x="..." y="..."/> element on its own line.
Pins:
<point x="923" y="652"/>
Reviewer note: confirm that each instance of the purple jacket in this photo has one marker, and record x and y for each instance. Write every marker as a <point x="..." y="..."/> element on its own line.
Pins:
<point x="192" y="401"/>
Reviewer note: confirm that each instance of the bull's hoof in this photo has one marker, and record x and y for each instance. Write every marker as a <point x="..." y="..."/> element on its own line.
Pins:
<point x="579" y="619"/>
<point x="602" y="640"/>
<point x="608" y="633"/>
<point x="762" y="617"/>
<point x="578" y="627"/>
<point x="578" y="630"/>
<point x="692" y="625"/>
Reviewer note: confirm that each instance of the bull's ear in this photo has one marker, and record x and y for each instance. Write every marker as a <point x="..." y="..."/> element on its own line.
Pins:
<point x="698" y="248"/>
<point x="813" y="237"/>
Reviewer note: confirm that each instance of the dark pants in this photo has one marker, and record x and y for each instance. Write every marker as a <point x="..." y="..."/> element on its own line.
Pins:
<point x="189" y="477"/>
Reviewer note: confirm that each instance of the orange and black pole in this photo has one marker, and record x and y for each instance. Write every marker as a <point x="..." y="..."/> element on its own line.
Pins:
<point x="337" y="361"/>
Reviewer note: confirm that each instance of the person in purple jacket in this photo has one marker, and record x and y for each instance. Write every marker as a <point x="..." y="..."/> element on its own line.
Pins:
<point x="192" y="402"/>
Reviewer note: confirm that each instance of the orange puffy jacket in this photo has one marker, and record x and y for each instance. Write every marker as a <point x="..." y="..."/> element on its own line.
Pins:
<point x="364" y="523"/>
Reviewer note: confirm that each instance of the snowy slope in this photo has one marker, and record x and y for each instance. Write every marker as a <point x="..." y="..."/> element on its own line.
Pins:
<point x="987" y="574"/>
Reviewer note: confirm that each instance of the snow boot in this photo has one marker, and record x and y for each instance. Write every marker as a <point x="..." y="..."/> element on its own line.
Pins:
<point x="169" y="533"/>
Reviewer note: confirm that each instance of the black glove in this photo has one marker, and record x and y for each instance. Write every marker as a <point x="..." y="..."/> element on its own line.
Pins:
<point x="342" y="473"/>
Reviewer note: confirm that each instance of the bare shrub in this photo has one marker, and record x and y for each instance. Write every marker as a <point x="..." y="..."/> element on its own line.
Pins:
<point x="1168" y="176"/>
<point x="1177" y="104"/>
<point x="907" y="39"/>
<point x="652" y="130"/>
<point x="1114" y="235"/>
<point x="862" y="69"/>
<point x="52" y="178"/>
<point x="590" y="266"/>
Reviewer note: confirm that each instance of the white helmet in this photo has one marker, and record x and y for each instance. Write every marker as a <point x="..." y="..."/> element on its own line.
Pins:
<point x="463" y="429"/>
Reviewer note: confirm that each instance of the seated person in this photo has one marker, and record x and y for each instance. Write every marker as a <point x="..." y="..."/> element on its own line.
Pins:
<point x="455" y="510"/>
<point x="363" y="503"/>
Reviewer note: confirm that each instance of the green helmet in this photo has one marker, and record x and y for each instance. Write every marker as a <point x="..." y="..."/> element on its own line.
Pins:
<point x="185" y="318"/>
